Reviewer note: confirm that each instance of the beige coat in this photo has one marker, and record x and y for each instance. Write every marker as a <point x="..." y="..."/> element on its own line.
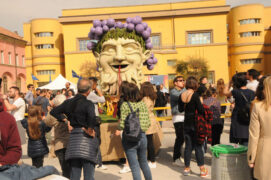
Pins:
<point x="61" y="131"/>
<point x="150" y="104"/>
<point x="260" y="141"/>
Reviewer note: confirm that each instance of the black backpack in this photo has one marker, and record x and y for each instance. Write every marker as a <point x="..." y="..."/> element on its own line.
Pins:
<point x="132" y="129"/>
<point x="243" y="113"/>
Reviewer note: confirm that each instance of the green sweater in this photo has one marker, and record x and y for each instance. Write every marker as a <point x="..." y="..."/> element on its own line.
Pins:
<point x="143" y="114"/>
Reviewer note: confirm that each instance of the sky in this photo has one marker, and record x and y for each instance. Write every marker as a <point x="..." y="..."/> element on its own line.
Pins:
<point x="13" y="13"/>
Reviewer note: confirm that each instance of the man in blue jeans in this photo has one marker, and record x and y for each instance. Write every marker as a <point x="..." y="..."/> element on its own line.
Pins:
<point x="79" y="114"/>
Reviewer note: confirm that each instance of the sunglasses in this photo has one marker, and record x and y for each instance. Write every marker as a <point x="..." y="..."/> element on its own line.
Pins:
<point x="180" y="80"/>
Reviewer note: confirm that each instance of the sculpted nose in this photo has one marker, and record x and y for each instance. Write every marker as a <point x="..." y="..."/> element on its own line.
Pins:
<point x="119" y="55"/>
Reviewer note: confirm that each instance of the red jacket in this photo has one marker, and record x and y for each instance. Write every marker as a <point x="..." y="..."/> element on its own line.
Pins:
<point x="10" y="143"/>
<point x="204" y="125"/>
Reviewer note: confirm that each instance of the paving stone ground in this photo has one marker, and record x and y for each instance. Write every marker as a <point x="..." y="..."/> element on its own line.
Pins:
<point x="164" y="171"/>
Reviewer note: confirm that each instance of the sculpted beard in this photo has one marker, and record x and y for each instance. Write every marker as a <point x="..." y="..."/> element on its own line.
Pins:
<point x="109" y="80"/>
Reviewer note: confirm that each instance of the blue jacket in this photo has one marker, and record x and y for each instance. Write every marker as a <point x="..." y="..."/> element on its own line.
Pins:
<point x="174" y="97"/>
<point x="38" y="147"/>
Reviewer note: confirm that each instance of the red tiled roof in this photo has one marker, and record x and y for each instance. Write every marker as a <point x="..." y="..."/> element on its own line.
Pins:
<point x="9" y="33"/>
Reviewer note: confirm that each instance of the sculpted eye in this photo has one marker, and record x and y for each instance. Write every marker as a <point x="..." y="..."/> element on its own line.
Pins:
<point x="109" y="48"/>
<point x="130" y="47"/>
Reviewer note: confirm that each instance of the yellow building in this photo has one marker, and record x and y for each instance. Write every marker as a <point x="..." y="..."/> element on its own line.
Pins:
<point x="249" y="33"/>
<point x="179" y="31"/>
<point x="44" y="50"/>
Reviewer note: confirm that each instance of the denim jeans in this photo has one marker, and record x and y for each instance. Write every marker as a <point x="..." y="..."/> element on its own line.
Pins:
<point x="76" y="168"/>
<point x="190" y="144"/>
<point x="137" y="157"/>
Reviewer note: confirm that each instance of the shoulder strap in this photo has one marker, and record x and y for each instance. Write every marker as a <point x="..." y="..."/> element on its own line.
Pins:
<point x="130" y="106"/>
<point x="244" y="96"/>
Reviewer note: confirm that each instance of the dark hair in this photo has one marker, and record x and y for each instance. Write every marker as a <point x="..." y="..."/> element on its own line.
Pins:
<point x="191" y="83"/>
<point x="158" y="88"/>
<point x="15" y="88"/>
<point x="124" y="85"/>
<point x="259" y="91"/>
<point x="29" y="85"/>
<point x="176" y="78"/>
<point x="63" y="89"/>
<point x="146" y="90"/>
<point x="84" y="85"/>
<point x="209" y="92"/>
<point x="71" y="91"/>
<point x="254" y="73"/>
<point x="94" y="79"/>
<point x="201" y="78"/>
<point x="131" y="93"/>
<point x="43" y="91"/>
<point x="239" y="80"/>
<point x="0" y="82"/>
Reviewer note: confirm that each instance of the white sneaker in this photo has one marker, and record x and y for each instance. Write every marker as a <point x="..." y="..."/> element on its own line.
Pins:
<point x="125" y="169"/>
<point x="178" y="162"/>
<point x="102" y="167"/>
<point x="152" y="165"/>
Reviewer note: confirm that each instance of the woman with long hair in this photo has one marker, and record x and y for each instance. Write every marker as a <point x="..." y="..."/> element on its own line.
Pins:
<point x="36" y="129"/>
<point x="149" y="97"/>
<point x="260" y="135"/>
<point x="135" y="151"/>
<point x="192" y="103"/>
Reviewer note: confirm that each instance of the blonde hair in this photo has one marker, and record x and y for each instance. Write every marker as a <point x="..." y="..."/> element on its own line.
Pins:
<point x="220" y="85"/>
<point x="267" y="93"/>
<point x="33" y="120"/>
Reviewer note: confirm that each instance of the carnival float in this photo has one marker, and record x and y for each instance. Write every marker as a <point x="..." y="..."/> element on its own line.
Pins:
<point x="121" y="50"/>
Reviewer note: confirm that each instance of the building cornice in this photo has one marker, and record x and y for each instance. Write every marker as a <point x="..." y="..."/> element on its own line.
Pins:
<point x="202" y="45"/>
<point x="248" y="44"/>
<point x="250" y="52"/>
<point x="49" y="55"/>
<point x="148" y="14"/>
<point x="45" y="63"/>
<point x="13" y="66"/>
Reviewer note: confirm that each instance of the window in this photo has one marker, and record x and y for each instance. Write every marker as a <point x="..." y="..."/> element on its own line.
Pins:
<point x="9" y="58"/>
<point x="249" y="34"/>
<point x="199" y="38"/>
<point x="156" y="40"/>
<point x="211" y="77"/>
<point x="83" y="44"/>
<point x="5" y="84"/>
<point x="16" y="60"/>
<point x="171" y="62"/>
<point x="2" y="57"/>
<point x="44" y="34"/>
<point x="45" y="46"/>
<point x="22" y="60"/>
<point x="251" y="61"/>
<point x="46" y="72"/>
<point x="250" y="21"/>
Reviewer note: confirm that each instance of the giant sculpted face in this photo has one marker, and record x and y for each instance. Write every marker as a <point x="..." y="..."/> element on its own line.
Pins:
<point x="120" y="53"/>
<point x="120" y="60"/>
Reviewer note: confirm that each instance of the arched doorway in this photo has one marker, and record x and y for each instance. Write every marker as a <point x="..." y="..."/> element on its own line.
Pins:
<point x="19" y="83"/>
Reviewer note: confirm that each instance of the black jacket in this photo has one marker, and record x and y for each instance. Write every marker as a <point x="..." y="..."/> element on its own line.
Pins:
<point x="38" y="147"/>
<point x="79" y="111"/>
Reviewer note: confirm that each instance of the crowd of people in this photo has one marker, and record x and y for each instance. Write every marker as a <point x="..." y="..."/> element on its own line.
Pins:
<point x="75" y="121"/>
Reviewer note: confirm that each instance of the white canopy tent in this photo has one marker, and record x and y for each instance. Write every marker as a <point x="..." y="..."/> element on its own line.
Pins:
<point x="59" y="83"/>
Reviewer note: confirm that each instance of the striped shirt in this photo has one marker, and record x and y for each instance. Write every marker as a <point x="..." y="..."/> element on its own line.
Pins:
<point x="143" y="114"/>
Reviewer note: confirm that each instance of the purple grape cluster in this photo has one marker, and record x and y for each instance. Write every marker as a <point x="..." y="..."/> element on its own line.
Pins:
<point x="141" y="28"/>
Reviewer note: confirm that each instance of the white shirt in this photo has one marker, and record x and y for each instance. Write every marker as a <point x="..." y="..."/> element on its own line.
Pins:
<point x="252" y="85"/>
<point x="18" y="113"/>
<point x="95" y="99"/>
<point x="178" y="118"/>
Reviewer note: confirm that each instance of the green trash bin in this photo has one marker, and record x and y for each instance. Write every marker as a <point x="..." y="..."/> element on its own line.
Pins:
<point x="229" y="162"/>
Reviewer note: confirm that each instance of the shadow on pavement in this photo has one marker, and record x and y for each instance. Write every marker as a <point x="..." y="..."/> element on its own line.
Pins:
<point x="106" y="175"/>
